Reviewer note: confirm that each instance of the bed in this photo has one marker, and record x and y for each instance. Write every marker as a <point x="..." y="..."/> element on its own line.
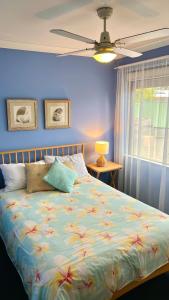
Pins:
<point x="94" y="243"/>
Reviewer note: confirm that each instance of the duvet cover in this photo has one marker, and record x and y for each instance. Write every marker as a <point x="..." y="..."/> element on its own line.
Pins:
<point x="83" y="245"/>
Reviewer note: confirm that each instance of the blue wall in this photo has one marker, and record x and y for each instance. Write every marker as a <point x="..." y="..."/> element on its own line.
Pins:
<point x="89" y="85"/>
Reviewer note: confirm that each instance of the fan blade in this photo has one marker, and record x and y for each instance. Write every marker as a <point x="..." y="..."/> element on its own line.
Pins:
<point x="139" y="8"/>
<point x="146" y="36"/>
<point x="126" y="52"/>
<point x="72" y="36"/>
<point x="75" y="52"/>
<point x="61" y="9"/>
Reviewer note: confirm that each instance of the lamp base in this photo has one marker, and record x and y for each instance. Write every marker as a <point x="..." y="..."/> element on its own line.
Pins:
<point x="101" y="161"/>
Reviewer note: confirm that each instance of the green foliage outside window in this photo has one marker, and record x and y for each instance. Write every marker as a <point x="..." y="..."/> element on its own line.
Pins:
<point x="150" y="104"/>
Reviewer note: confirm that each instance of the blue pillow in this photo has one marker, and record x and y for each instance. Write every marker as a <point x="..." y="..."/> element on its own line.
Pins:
<point x="61" y="177"/>
<point x="2" y="182"/>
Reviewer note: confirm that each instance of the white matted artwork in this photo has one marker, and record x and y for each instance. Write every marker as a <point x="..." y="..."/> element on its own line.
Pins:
<point x="22" y="114"/>
<point x="57" y="113"/>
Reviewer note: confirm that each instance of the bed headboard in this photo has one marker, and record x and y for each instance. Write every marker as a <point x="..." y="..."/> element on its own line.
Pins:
<point x="34" y="154"/>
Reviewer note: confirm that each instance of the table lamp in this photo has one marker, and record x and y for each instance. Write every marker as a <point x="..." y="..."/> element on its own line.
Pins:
<point x="102" y="148"/>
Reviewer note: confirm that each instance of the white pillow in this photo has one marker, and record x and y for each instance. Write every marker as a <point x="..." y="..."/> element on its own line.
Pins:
<point x="79" y="163"/>
<point x="49" y="159"/>
<point x="76" y="159"/>
<point x="15" y="176"/>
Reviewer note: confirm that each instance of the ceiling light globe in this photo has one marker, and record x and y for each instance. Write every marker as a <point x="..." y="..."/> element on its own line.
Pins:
<point x="104" y="57"/>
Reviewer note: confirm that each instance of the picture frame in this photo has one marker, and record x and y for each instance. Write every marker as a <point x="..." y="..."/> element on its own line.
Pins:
<point x="57" y="113"/>
<point x="22" y="114"/>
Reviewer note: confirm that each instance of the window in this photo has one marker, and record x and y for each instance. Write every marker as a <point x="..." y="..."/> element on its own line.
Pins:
<point x="149" y="128"/>
<point x="141" y="134"/>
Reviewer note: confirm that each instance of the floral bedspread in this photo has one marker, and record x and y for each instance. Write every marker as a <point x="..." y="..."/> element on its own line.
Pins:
<point x="84" y="245"/>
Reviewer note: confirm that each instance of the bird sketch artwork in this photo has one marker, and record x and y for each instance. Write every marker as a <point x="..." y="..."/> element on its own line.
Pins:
<point x="57" y="114"/>
<point x="22" y="114"/>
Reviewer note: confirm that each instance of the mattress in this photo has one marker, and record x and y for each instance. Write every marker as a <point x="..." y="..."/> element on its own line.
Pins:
<point x="83" y="245"/>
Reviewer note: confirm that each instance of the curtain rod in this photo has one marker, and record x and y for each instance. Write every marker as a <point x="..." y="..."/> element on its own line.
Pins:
<point x="142" y="62"/>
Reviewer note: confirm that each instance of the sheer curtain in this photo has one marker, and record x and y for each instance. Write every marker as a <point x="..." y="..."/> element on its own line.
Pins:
<point x="142" y="131"/>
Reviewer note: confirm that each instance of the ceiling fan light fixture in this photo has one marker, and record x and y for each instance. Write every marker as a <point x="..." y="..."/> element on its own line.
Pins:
<point x="104" y="56"/>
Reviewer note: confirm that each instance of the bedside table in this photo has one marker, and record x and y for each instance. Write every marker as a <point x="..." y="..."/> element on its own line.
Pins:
<point x="110" y="167"/>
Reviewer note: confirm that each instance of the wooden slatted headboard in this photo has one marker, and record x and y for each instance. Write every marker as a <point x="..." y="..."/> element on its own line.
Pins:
<point x="34" y="154"/>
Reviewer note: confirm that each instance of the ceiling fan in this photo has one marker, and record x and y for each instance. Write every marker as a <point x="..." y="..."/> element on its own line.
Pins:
<point x="105" y="50"/>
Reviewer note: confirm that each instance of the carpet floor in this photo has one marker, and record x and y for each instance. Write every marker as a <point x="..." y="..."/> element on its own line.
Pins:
<point x="11" y="286"/>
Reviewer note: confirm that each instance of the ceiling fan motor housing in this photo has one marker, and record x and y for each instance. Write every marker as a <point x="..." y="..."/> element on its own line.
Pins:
<point x="104" y="42"/>
<point x="105" y="38"/>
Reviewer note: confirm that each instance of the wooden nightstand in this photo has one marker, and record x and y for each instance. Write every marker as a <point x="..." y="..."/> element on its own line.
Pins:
<point x="110" y="167"/>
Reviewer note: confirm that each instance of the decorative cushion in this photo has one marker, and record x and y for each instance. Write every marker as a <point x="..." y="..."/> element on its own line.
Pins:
<point x="35" y="174"/>
<point x="14" y="175"/>
<point x="76" y="159"/>
<point x="61" y="177"/>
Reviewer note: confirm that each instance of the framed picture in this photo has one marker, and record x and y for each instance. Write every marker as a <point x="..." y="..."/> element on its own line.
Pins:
<point x="57" y="113"/>
<point x="22" y="114"/>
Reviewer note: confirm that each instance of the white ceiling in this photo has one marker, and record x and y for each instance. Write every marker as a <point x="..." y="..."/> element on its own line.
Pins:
<point x="25" y="24"/>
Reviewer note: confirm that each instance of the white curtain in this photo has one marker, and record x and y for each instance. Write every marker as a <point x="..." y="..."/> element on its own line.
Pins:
<point x="142" y="131"/>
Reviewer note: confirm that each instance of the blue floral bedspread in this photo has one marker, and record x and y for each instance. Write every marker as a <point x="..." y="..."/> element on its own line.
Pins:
<point x="84" y="245"/>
